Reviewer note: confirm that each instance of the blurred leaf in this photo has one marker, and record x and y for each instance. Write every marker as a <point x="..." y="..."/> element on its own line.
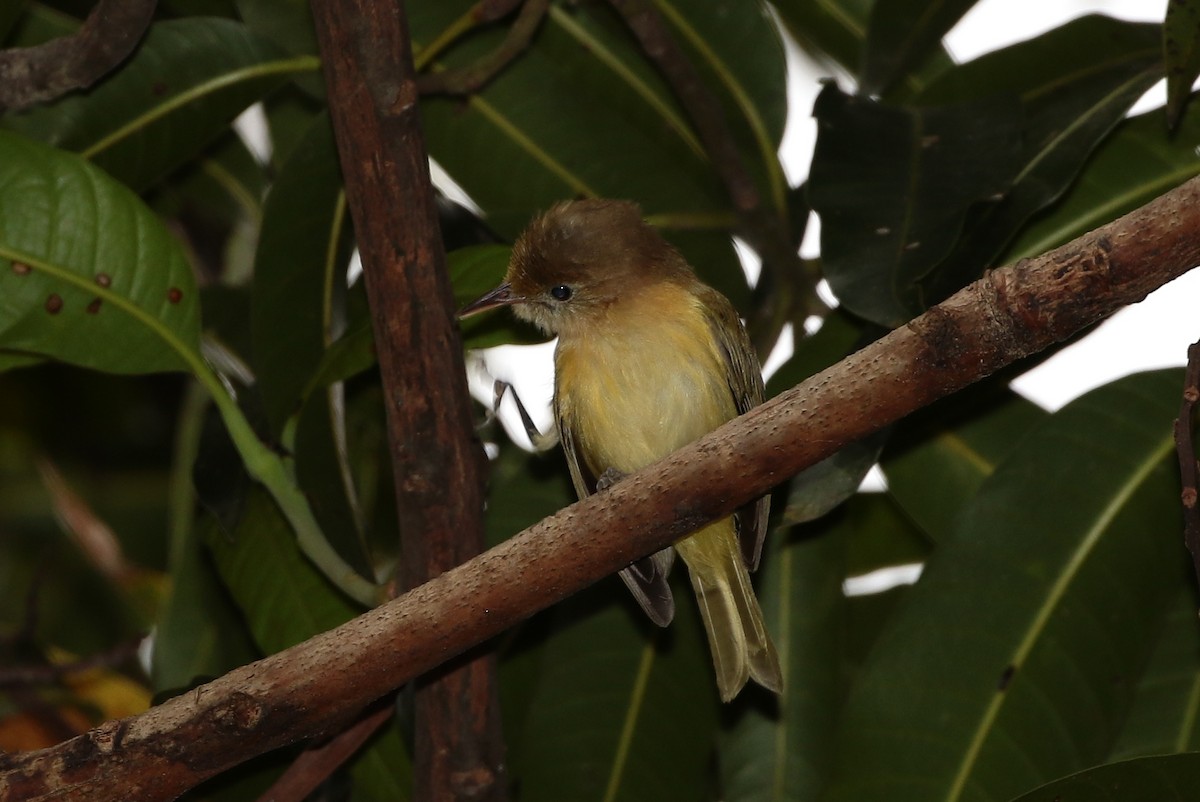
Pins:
<point x="837" y="30"/>
<point x="950" y="185"/>
<point x="881" y="535"/>
<point x="82" y="261"/>
<point x="782" y="748"/>
<point x="1069" y="104"/>
<point x="997" y="674"/>
<point x="10" y="12"/>
<point x="1137" y="163"/>
<point x="587" y="76"/>
<point x="299" y="272"/>
<point x="617" y="702"/>
<point x="893" y="186"/>
<point x="1181" y="52"/>
<point x="902" y="34"/>
<point x="941" y="455"/>
<point x="1168" y="778"/>
<point x="383" y="770"/>
<point x="184" y="84"/>
<point x="818" y="489"/>
<point x="283" y="597"/>
<point x="1165" y="716"/>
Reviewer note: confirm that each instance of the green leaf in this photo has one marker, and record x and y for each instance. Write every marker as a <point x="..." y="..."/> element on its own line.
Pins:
<point x="87" y="274"/>
<point x="893" y="187"/>
<point x="952" y="182"/>
<point x="538" y="120"/>
<point x="1168" y="778"/>
<point x="782" y="749"/>
<point x="1165" y="716"/>
<point x="299" y="272"/>
<point x="185" y="83"/>
<point x="837" y="30"/>
<point x="818" y="489"/>
<point x="284" y="599"/>
<point x="383" y="770"/>
<point x="997" y="673"/>
<point x="200" y="634"/>
<point x="940" y="456"/>
<point x="1070" y="103"/>
<point x="1136" y="164"/>
<point x="622" y="710"/>
<point x="1181" y="52"/>
<point x="903" y="34"/>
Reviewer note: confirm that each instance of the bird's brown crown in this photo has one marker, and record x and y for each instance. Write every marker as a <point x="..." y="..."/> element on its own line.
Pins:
<point x="580" y="257"/>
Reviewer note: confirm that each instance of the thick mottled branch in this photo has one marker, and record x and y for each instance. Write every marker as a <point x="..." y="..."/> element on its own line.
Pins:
<point x="437" y="461"/>
<point x="30" y="75"/>
<point x="313" y="687"/>
<point x="1185" y="447"/>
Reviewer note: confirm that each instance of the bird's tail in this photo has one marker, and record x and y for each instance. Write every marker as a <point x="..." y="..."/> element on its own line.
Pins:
<point x="741" y="648"/>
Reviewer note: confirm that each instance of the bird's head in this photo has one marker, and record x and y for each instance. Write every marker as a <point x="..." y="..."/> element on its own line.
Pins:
<point x="577" y="260"/>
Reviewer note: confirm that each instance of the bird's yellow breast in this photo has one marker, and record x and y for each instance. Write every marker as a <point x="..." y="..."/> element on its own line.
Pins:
<point x="646" y="378"/>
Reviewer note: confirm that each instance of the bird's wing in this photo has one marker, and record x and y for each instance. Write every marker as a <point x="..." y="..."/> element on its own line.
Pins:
<point x="646" y="578"/>
<point x="746" y="385"/>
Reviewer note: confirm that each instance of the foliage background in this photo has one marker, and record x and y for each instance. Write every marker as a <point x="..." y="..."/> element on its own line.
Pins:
<point x="1053" y="629"/>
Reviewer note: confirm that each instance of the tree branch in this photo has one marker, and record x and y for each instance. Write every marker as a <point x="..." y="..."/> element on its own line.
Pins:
<point x="30" y="75"/>
<point x="437" y="460"/>
<point x="315" y="686"/>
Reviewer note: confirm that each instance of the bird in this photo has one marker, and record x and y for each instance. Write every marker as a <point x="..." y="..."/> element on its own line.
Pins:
<point x="648" y="359"/>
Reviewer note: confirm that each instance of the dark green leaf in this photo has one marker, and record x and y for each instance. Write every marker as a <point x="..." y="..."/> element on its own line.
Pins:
<point x="1133" y="166"/>
<point x="299" y="272"/>
<point x="940" y="456"/>
<point x="582" y="75"/>
<point x="284" y="598"/>
<point x="622" y="710"/>
<point x="893" y="187"/>
<point x="998" y="673"/>
<point x="383" y="769"/>
<point x="84" y="264"/>
<point x="1165" y="716"/>
<point x="818" y="489"/>
<point x="200" y="634"/>
<point x="1181" y="52"/>
<point x="1169" y="778"/>
<point x="1072" y="94"/>
<point x="902" y="34"/>
<point x="837" y="30"/>
<point x="184" y="84"/>
<point x="782" y="748"/>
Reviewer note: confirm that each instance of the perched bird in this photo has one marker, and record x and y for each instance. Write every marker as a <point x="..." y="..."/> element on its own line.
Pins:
<point x="649" y="358"/>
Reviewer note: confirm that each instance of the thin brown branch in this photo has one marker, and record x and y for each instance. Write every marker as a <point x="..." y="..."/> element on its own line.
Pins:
<point x="1189" y="468"/>
<point x="46" y="673"/>
<point x="315" y="764"/>
<point x="315" y="686"/>
<point x="30" y="75"/>
<point x="437" y="460"/>
<point x="472" y="77"/>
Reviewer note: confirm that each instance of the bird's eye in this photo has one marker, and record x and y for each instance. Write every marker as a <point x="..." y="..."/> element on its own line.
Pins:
<point x="561" y="293"/>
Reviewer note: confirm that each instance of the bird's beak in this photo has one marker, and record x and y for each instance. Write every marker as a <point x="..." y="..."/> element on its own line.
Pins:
<point x="501" y="296"/>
